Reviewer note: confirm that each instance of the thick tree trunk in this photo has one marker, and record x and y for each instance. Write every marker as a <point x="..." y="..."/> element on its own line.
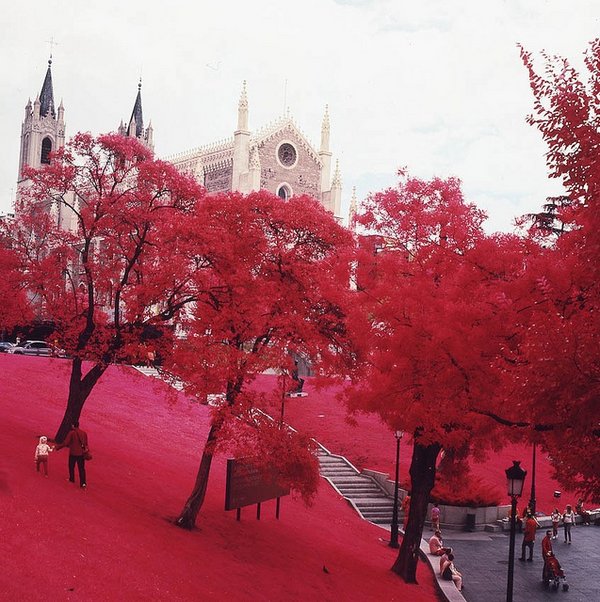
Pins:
<point x="79" y="390"/>
<point x="189" y="513"/>
<point x="422" y="474"/>
<point x="187" y="517"/>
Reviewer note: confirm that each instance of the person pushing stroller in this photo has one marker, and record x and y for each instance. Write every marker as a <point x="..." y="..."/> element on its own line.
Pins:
<point x="552" y="572"/>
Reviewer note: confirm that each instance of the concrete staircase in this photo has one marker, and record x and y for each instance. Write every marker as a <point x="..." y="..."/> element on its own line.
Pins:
<point x="361" y="491"/>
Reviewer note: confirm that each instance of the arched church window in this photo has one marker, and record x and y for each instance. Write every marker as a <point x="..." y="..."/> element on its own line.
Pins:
<point x="46" y="150"/>
<point x="284" y="192"/>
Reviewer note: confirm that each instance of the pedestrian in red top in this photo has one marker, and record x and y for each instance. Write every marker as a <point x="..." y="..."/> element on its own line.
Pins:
<point x="77" y="442"/>
<point x="435" y="518"/>
<point x="529" y="530"/>
<point x="547" y="545"/>
<point x="406" y="508"/>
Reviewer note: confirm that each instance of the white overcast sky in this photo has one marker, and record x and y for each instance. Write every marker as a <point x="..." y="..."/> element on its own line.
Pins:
<point x="433" y="85"/>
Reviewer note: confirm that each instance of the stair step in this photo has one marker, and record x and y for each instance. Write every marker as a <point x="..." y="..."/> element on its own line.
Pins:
<point x="359" y="490"/>
<point x="375" y="505"/>
<point x="341" y="469"/>
<point x="377" y="511"/>
<point x="380" y="521"/>
<point x="344" y="480"/>
<point x="351" y="490"/>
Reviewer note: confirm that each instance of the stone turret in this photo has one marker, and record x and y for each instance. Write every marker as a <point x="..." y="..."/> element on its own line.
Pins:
<point x="241" y="146"/>
<point x="324" y="152"/>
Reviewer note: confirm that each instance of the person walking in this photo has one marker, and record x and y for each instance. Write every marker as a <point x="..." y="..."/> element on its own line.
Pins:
<point x="435" y="518"/>
<point x="41" y="455"/>
<point x="555" y="518"/>
<point x="568" y="522"/>
<point x="547" y="545"/>
<point x="529" y="530"/>
<point x="77" y="442"/>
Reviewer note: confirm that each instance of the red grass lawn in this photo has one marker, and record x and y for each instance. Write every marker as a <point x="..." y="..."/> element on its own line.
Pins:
<point x="116" y="540"/>
<point x="370" y="444"/>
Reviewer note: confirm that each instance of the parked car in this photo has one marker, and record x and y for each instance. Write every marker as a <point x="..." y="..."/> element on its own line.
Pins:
<point x="37" y="348"/>
<point x="5" y="346"/>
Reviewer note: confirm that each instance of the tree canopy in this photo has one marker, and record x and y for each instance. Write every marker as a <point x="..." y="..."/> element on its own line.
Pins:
<point x="94" y="242"/>
<point x="429" y="324"/>
<point x="270" y="289"/>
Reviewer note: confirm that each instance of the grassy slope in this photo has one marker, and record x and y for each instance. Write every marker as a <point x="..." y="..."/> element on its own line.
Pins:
<point x="115" y="540"/>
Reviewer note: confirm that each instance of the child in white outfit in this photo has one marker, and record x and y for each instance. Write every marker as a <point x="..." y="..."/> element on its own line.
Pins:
<point x="41" y="455"/>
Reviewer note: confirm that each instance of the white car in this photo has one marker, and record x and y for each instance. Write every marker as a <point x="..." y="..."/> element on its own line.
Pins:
<point x="37" y="348"/>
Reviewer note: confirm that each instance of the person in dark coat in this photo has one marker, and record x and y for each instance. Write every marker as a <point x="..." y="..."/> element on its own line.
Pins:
<point x="77" y="442"/>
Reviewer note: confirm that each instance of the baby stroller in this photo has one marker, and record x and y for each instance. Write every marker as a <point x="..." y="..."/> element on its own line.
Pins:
<point x="552" y="574"/>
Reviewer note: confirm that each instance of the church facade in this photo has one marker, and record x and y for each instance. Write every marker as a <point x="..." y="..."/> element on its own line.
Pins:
<point x="277" y="158"/>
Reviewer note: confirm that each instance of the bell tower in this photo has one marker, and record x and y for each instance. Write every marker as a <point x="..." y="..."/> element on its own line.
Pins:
<point x="43" y="129"/>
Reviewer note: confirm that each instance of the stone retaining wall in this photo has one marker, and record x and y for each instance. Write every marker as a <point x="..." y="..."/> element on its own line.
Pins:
<point x="451" y="517"/>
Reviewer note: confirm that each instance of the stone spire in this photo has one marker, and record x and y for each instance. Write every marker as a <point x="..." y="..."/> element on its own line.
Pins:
<point x="337" y="178"/>
<point x="136" y="123"/>
<point x="36" y="107"/>
<point x="353" y="207"/>
<point x="47" y="94"/>
<point x="325" y="156"/>
<point x="336" y="191"/>
<point x="325" y="128"/>
<point x="243" y="110"/>
<point x="240" y="173"/>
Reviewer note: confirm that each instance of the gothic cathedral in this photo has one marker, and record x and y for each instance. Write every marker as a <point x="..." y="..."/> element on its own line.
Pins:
<point x="277" y="158"/>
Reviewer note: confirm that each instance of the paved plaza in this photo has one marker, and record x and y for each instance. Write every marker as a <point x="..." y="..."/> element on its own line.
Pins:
<point x="482" y="558"/>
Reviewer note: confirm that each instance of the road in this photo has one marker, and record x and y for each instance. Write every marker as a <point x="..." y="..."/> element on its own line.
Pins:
<point x="482" y="558"/>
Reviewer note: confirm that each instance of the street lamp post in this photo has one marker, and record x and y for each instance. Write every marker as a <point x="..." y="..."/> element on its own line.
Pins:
<point x="532" y="501"/>
<point x="394" y="526"/>
<point x="515" y="477"/>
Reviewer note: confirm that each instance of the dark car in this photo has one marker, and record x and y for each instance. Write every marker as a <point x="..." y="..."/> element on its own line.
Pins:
<point x="37" y="348"/>
<point x="5" y="346"/>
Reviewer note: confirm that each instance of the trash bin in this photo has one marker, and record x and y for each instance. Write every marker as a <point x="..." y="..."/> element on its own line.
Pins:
<point x="470" y="526"/>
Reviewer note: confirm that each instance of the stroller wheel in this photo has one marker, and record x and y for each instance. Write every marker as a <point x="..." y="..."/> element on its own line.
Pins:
<point x="565" y="587"/>
<point x="555" y="586"/>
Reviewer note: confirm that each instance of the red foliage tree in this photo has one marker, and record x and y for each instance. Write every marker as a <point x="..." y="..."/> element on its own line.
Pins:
<point x="268" y="291"/>
<point x="558" y="373"/>
<point x="14" y="308"/>
<point x="95" y="240"/>
<point x="429" y="326"/>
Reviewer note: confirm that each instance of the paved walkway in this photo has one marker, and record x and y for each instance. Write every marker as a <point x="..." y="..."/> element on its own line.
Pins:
<point x="482" y="558"/>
